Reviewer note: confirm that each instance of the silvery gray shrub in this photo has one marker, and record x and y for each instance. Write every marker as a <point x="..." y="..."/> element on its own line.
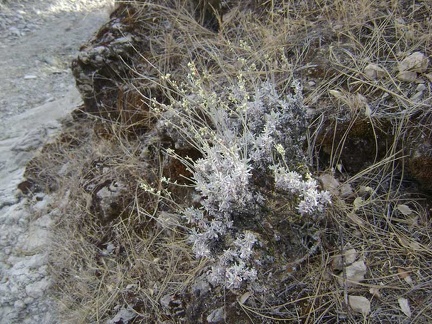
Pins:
<point x="247" y="127"/>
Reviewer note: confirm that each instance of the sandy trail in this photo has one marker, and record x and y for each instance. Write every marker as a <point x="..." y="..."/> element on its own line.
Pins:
<point x="38" y="39"/>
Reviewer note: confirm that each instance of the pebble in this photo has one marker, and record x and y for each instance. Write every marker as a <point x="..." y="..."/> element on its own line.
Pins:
<point x="374" y="71"/>
<point x="407" y="76"/>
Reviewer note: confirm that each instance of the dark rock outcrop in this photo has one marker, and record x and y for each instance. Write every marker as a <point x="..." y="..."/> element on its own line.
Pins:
<point x="101" y="63"/>
<point x="116" y="71"/>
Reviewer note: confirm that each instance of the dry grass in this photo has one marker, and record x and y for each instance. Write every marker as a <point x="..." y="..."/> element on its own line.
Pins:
<point x="363" y="131"/>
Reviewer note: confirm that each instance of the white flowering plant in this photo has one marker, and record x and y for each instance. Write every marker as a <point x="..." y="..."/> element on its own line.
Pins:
<point x="245" y="129"/>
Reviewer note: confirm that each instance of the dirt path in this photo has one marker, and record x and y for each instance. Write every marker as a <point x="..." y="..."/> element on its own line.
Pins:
<point x="38" y="39"/>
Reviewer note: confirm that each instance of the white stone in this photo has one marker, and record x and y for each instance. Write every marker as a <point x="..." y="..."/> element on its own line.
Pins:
<point x="407" y="76"/>
<point x="374" y="71"/>
<point x="416" y="62"/>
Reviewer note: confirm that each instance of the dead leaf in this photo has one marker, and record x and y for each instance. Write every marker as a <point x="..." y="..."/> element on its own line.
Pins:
<point x="329" y="183"/>
<point x="404" y="305"/>
<point x="336" y="93"/>
<point x="244" y="297"/>
<point x="417" y="96"/>
<point x="375" y="291"/>
<point x="356" y="220"/>
<point x="404" y="274"/>
<point x="404" y="209"/>
<point x="349" y="256"/>
<point x="368" y="110"/>
<point x="358" y="202"/>
<point x="409" y="280"/>
<point x="359" y="304"/>
<point x="411" y="221"/>
<point x="410" y="244"/>
<point x="365" y="191"/>
<point x="354" y="273"/>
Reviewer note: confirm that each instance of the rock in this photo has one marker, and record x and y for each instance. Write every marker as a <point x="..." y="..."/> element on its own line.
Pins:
<point x="107" y="199"/>
<point x="19" y="304"/>
<point x="172" y="305"/>
<point x="166" y="300"/>
<point x="201" y="286"/>
<point x="31" y="140"/>
<point x="374" y="71"/>
<point x="416" y="62"/>
<point x="24" y="235"/>
<point x="103" y="65"/>
<point x="100" y="65"/>
<point x="407" y="76"/>
<point x="50" y="60"/>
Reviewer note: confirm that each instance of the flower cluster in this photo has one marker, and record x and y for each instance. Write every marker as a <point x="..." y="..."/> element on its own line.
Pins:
<point x="222" y="177"/>
<point x="311" y="199"/>
<point x="273" y="120"/>
<point x="231" y="269"/>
